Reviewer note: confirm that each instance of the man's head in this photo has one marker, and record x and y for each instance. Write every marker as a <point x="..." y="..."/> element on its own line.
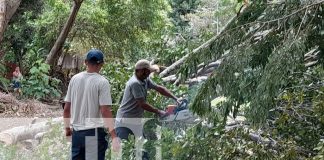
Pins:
<point x="94" y="60"/>
<point x="143" y="68"/>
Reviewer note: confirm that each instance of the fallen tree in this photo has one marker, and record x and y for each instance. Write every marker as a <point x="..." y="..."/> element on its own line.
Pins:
<point x="17" y="134"/>
<point x="203" y="71"/>
<point x="205" y="45"/>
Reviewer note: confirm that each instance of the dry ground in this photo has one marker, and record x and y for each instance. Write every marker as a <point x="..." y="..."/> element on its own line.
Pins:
<point x="15" y="112"/>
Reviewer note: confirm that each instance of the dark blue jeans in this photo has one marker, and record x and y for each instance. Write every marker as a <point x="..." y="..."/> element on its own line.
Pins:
<point x="89" y="144"/>
<point x="16" y="84"/>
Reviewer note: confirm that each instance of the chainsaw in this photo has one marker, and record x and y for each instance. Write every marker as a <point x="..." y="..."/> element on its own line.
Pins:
<point x="179" y="112"/>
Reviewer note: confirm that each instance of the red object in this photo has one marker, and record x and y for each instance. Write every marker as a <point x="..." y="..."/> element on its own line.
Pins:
<point x="10" y="69"/>
<point x="170" y="109"/>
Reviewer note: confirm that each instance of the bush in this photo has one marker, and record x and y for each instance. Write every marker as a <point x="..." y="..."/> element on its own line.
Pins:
<point x="39" y="85"/>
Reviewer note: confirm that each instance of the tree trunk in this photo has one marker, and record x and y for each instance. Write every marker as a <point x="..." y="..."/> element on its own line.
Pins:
<point x="3" y="7"/>
<point x="173" y="66"/>
<point x="55" y="52"/>
<point x="178" y="63"/>
<point x="17" y="134"/>
<point x="7" y="10"/>
<point x="191" y="81"/>
<point x="203" y="71"/>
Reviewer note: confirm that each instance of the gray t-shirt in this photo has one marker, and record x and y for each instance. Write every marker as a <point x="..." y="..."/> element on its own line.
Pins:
<point x="87" y="92"/>
<point x="135" y="89"/>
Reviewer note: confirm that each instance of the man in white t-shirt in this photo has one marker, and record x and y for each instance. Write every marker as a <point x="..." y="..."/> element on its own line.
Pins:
<point x="87" y="111"/>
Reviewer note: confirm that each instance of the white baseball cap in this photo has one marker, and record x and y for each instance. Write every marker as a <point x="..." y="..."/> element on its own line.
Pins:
<point x="145" y="64"/>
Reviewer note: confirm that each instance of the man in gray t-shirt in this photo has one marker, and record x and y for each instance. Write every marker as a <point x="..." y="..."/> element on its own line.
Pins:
<point x="134" y="102"/>
<point x="135" y="89"/>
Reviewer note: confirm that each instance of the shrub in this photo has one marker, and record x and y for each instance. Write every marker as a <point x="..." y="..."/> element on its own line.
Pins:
<point x="39" y="84"/>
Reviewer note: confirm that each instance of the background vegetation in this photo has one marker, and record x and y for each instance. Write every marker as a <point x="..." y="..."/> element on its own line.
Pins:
<point x="271" y="71"/>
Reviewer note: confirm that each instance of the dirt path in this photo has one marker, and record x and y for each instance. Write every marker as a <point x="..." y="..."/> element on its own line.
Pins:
<point x="14" y="113"/>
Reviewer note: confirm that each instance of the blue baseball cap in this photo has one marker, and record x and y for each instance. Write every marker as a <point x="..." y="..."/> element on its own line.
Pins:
<point x="95" y="56"/>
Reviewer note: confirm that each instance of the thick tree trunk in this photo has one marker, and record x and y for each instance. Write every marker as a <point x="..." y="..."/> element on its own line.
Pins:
<point x="7" y="10"/>
<point x="3" y="8"/>
<point x="17" y="134"/>
<point x="55" y="52"/>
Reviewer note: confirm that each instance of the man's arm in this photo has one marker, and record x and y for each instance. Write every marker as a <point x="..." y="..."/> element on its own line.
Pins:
<point x="108" y="119"/>
<point x="165" y="92"/>
<point x="141" y="103"/>
<point x="67" y="116"/>
<point x="109" y="123"/>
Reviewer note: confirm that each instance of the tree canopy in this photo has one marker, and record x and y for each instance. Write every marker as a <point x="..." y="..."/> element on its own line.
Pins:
<point x="259" y="66"/>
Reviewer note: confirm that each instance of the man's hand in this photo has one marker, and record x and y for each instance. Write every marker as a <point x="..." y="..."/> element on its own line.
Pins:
<point x="68" y="132"/>
<point x="162" y="113"/>
<point x="116" y="144"/>
<point x="179" y="100"/>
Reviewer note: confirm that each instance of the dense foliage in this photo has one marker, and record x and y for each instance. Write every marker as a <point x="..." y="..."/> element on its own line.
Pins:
<point x="266" y="75"/>
<point x="271" y="71"/>
<point x="39" y="85"/>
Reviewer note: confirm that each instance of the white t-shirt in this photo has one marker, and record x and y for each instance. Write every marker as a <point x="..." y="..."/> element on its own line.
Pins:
<point x="87" y="92"/>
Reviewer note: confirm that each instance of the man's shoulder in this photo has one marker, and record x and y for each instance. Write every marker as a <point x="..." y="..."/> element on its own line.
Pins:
<point x="133" y="81"/>
<point x="102" y="78"/>
<point x="76" y="76"/>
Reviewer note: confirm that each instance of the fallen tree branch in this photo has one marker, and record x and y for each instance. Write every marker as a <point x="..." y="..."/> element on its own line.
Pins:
<point x="171" y="78"/>
<point x="312" y="57"/>
<point x="14" y="135"/>
<point x="177" y="64"/>
<point x="278" y="19"/>
<point x="173" y="66"/>
<point x="209" y="68"/>
<point x="202" y="72"/>
<point x="212" y="64"/>
<point x="174" y="79"/>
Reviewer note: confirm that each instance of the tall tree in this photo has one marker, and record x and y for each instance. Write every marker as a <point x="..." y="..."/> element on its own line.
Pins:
<point x="57" y="48"/>
<point x="7" y="10"/>
<point x="20" y="31"/>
